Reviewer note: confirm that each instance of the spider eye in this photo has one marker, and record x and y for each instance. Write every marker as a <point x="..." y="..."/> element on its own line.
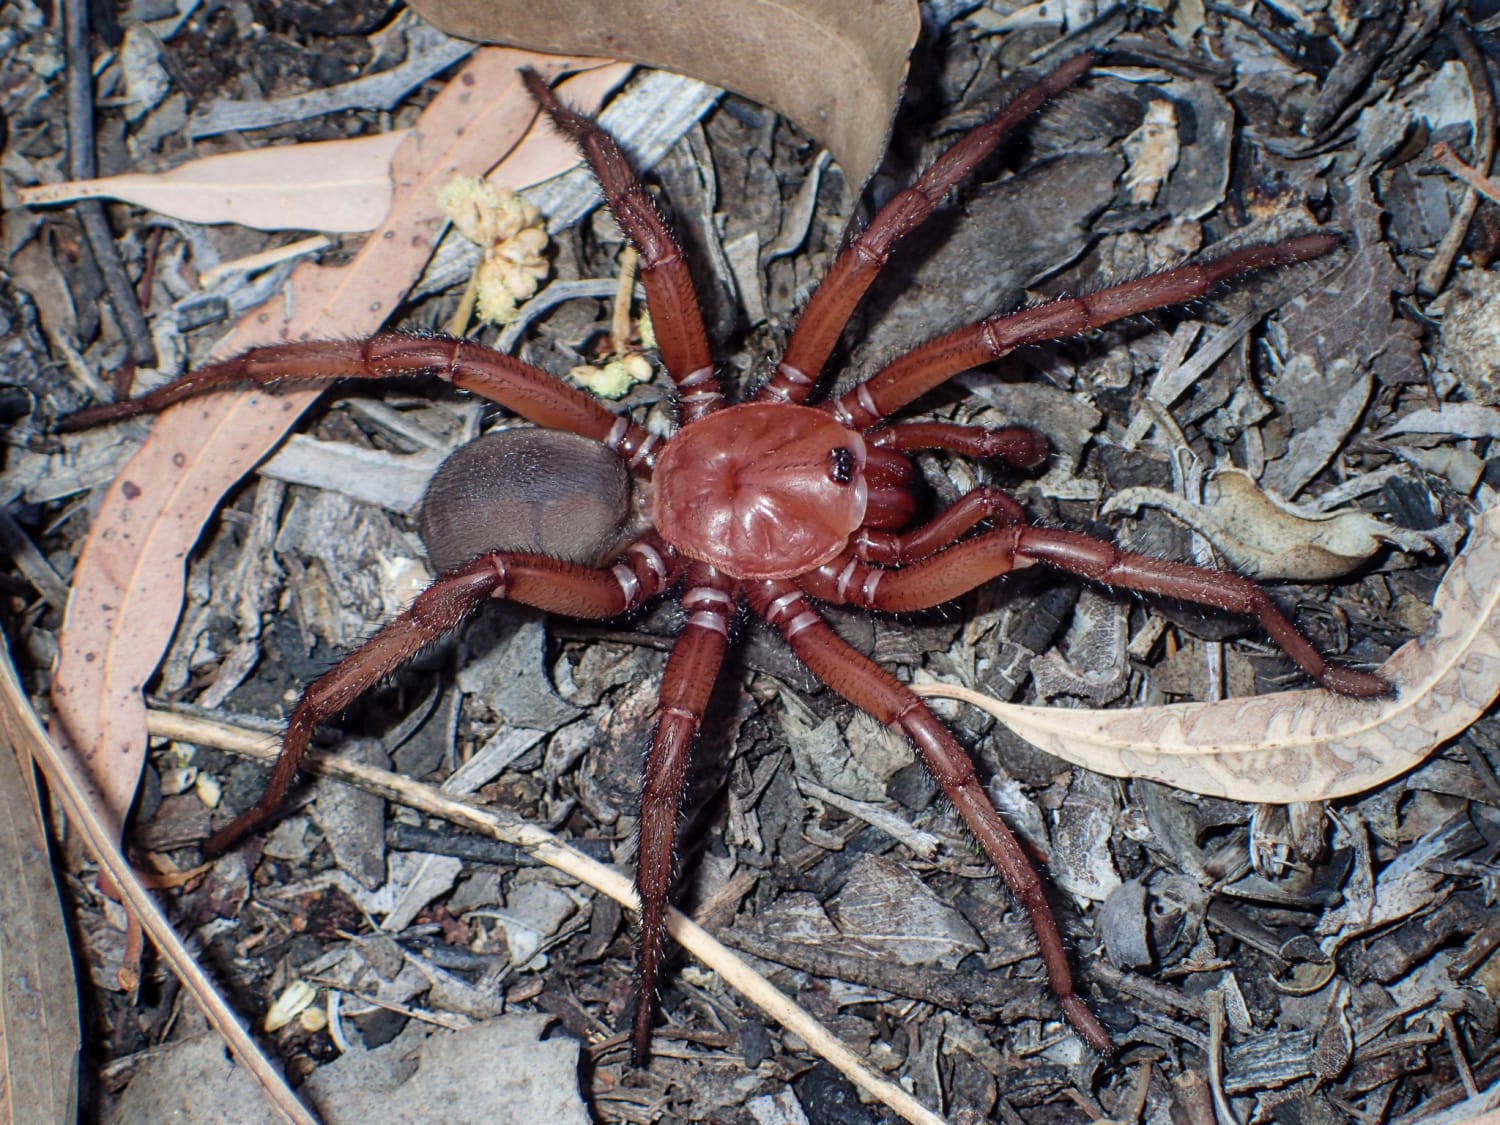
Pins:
<point x="841" y="466"/>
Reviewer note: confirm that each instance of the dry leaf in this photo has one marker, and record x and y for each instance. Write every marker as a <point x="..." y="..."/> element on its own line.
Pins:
<point x="544" y="152"/>
<point x="1455" y="419"/>
<point x="39" y="1033"/>
<point x="1266" y="538"/>
<point x="835" y="67"/>
<point x="336" y="186"/>
<point x="88" y="819"/>
<point x="1300" y="745"/>
<point x="886" y="909"/>
<point x="127" y="588"/>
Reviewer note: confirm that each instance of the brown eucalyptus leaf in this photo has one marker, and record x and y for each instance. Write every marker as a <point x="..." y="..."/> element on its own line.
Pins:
<point x="88" y="822"/>
<point x="342" y="187"/>
<point x="127" y="588"/>
<point x="1300" y="745"/>
<point x="39" y="1032"/>
<point x="337" y="186"/>
<point x="835" y="67"/>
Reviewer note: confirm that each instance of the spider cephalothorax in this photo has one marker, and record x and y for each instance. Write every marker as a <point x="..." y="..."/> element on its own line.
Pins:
<point x="774" y="504"/>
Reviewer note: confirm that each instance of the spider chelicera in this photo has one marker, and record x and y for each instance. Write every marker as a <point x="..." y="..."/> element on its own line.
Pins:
<point x="775" y="503"/>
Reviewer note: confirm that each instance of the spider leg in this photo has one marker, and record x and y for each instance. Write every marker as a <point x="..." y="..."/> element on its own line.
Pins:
<point x="535" y="580"/>
<point x="1015" y="445"/>
<point x="675" y="314"/>
<point x="972" y="562"/>
<point x="899" y="549"/>
<point x="691" y="671"/>
<point x="929" y="365"/>
<point x="528" y="391"/>
<point x="828" y="311"/>
<point x="875" y="691"/>
<point x="890" y="473"/>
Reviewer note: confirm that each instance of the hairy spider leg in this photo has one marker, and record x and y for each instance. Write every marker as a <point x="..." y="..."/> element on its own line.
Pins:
<point x="828" y="310"/>
<point x="929" y="365"/>
<point x="890" y="542"/>
<point x="973" y="562"/>
<point x="675" y="314"/>
<point x="647" y="566"/>
<point x="698" y="651"/>
<point x="1015" y="445"/>
<point x="526" y="390"/>
<point x="875" y="691"/>
<point x="973" y="508"/>
<point x="709" y="598"/>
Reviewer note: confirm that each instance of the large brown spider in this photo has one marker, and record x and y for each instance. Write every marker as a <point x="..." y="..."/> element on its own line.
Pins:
<point x="772" y="503"/>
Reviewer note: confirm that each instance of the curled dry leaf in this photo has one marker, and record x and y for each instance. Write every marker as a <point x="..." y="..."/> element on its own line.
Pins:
<point x="1301" y="745"/>
<point x="835" y="67"/>
<point x="127" y="588"/>
<point x="1265" y="538"/>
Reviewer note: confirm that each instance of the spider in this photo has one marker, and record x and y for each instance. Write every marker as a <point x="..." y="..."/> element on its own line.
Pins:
<point x="773" y="504"/>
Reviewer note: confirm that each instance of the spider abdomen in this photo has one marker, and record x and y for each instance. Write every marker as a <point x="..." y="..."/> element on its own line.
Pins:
<point x="761" y="490"/>
<point x="540" y="492"/>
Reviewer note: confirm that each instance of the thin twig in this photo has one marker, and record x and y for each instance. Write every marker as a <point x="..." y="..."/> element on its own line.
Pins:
<point x="1222" y="1107"/>
<point x="82" y="166"/>
<point x="1485" y="186"/>
<point x="74" y="790"/>
<point x="1460" y="1060"/>
<point x="1435" y="272"/>
<point x="551" y="850"/>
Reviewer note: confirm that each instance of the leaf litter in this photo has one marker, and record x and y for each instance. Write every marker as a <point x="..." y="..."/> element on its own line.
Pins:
<point x="1329" y="402"/>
